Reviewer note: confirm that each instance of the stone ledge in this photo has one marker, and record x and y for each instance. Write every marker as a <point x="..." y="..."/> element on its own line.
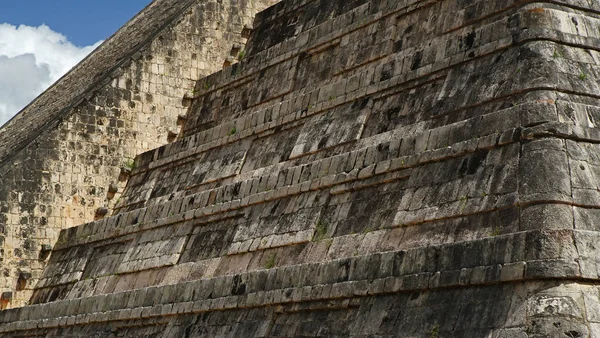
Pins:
<point x="532" y="34"/>
<point x="513" y="257"/>
<point x="217" y="137"/>
<point x="200" y="208"/>
<point x="339" y="182"/>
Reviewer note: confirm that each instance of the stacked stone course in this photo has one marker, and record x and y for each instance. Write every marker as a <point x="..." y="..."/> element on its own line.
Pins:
<point x="371" y="168"/>
<point x="62" y="156"/>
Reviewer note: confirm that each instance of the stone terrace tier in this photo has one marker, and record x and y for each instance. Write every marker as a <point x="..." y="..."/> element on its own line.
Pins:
<point x="372" y="168"/>
<point x="61" y="157"/>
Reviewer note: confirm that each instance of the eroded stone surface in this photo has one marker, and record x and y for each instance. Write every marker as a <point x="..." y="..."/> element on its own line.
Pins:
<point x="370" y="169"/>
<point x="61" y="157"/>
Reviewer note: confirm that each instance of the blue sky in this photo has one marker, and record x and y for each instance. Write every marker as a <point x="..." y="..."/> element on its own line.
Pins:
<point x="83" y="22"/>
<point x="41" y="40"/>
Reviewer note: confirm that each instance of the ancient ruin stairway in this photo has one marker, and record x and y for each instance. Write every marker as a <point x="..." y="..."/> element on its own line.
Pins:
<point x="370" y="169"/>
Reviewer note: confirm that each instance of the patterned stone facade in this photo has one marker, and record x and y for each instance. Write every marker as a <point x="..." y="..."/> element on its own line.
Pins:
<point x="372" y="168"/>
<point x="68" y="171"/>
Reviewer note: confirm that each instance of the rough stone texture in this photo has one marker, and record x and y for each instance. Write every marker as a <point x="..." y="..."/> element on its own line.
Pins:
<point x="61" y="157"/>
<point x="370" y="169"/>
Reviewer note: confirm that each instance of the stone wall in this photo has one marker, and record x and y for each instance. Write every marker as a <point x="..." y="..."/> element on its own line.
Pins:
<point x="548" y="309"/>
<point x="65" y="157"/>
<point x="371" y="168"/>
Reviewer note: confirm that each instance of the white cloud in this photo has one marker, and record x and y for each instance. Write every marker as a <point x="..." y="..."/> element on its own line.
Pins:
<point x="31" y="59"/>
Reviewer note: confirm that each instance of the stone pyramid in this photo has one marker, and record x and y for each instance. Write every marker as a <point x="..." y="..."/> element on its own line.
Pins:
<point x="399" y="168"/>
<point x="61" y="157"/>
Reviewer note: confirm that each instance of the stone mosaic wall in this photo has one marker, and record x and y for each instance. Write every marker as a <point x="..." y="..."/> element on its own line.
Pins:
<point x="370" y="169"/>
<point x="126" y="98"/>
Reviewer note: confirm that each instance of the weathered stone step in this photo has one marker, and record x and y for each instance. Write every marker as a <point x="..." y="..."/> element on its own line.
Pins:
<point x="324" y="173"/>
<point x="437" y="53"/>
<point x="253" y="124"/>
<point x="402" y="163"/>
<point x="425" y="268"/>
